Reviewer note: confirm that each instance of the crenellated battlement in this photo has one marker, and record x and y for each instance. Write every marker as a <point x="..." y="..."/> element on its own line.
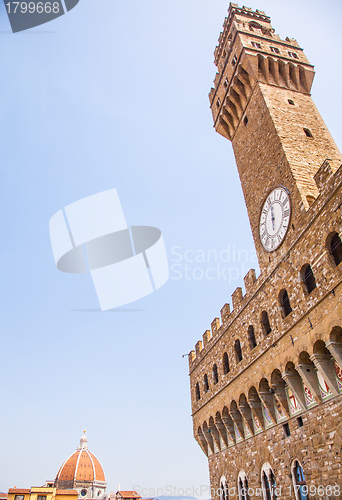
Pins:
<point x="245" y="19"/>
<point x="227" y="316"/>
<point x="229" y="29"/>
<point x="249" y="51"/>
<point x="262" y="288"/>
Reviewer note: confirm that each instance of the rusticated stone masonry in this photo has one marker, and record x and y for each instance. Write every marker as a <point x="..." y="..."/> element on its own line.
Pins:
<point x="266" y="379"/>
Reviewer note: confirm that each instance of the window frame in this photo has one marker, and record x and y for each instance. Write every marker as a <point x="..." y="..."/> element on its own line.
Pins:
<point x="285" y="305"/>
<point x="263" y="323"/>
<point x="215" y="374"/>
<point x="242" y="483"/>
<point x="226" y="366"/>
<point x="293" y="55"/>
<point x="330" y="238"/>
<point x="205" y="383"/>
<point x="238" y="351"/>
<point x="306" y="279"/>
<point x="267" y="491"/>
<point x="223" y="489"/>
<point x="298" y="494"/>
<point x="251" y="337"/>
<point x="197" y="391"/>
<point x="287" y="430"/>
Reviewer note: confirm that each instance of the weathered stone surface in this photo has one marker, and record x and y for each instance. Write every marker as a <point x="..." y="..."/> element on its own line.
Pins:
<point x="261" y="102"/>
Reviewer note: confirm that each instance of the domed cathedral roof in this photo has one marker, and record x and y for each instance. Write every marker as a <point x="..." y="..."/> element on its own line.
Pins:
<point x="81" y="469"/>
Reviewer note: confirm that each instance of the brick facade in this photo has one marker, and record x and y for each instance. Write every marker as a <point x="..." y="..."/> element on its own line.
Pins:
<point x="280" y="406"/>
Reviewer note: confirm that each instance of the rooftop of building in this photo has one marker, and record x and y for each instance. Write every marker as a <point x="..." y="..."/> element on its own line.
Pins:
<point x="128" y="494"/>
<point x="38" y="489"/>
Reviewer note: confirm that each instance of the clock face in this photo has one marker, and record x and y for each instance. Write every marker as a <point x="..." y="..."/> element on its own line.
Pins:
<point x="275" y="218"/>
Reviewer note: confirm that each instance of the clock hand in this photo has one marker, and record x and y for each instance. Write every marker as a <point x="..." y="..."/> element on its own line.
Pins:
<point x="272" y="217"/>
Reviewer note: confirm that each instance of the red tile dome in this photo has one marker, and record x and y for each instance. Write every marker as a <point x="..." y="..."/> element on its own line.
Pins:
<point x="81" y="466"/>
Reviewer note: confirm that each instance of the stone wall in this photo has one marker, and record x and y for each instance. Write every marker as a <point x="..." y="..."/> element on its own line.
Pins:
<point x="282" y="402"/>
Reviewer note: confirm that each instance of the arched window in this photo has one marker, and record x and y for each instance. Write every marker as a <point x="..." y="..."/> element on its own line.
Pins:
<point x="265" y="323"/>
<point x="285" y="303"/>
<point x="243" y="486"/>
<point x="198" y="392"/>
<point x="223" y="489"/>
<point x="268" y="482"/>
<point x="308" y="278"/>
<point x="215" y="374"/>
<point x="251" y="337"/>
<point x="335" y="248"/>
<point x="206" y="383"/>
<point x="299" y="483"/>
<point x="225" y="363"/>
<point x="238" y="352"/>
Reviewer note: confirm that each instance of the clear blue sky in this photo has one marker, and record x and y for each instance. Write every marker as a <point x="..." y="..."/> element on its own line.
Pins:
<point x="115" y="94"/>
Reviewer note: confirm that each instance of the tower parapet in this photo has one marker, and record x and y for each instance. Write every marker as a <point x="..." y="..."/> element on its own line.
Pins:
<point x="250" y="51"/>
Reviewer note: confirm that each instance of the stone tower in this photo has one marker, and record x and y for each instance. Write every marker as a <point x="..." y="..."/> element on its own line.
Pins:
<point x="266" y="381"/>
<point x="261" y="102"/>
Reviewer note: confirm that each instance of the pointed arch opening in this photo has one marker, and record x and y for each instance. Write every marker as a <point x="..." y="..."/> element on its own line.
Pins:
<point x="299" y="482"/>
<point x="226" y="368"/>
<point x="201" y="440"/>
<point x="284" y="302"/>
<point x="334" y="345"/>
<point x="198" y="392"/>
<point x="308" y="279"/>
<point x="221" y="428"/>
<point x="206" y="383"/>
<point x="265" y="323"/>
<point x="215" y="374"/>
<point x="223" y="489"/>
<point x="208" y="437"/>
<point x="243" y="485"/>
<point x="268" y="482"/>
<point x="238" y="351"/>
<point x="251" y="337"/>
